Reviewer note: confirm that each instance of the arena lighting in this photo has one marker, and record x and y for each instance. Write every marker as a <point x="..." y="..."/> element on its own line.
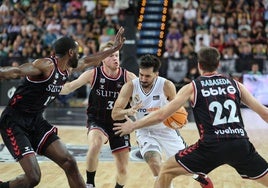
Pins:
<point x="163" y="25"/>
<point x="162" y="28"/>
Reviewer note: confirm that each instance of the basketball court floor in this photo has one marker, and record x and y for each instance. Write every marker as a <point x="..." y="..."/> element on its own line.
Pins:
<point x="71" y="124"/>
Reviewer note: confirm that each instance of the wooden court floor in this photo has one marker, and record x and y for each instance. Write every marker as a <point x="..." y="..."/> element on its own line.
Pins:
<point x="139" y="174"/>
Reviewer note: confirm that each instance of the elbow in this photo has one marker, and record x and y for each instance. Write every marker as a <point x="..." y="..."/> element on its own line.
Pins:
<point x="114" y="116"/>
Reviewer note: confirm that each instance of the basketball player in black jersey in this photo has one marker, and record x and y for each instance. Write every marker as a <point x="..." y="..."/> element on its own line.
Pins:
<point x="23" y="128"/>
<point x="105" y="81"/>
<point x="215" y="100"/>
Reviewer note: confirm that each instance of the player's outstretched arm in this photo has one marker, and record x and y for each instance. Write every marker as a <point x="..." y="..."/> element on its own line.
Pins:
<point x="38" y="67"/>
<point x="95" y="59"/>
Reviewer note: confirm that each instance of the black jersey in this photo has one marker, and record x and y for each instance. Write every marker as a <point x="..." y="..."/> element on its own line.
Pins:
<point x="33" y="96"/>
<point x="103" y="94"/>
<point x="216" y="108"/>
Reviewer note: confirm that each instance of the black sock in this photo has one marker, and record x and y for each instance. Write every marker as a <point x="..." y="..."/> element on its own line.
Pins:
<point x="91" y="178"/>
<point x="4" y="185"/>
<point x="118" y="186"/>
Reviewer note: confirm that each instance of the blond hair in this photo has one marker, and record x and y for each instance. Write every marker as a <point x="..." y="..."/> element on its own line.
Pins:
<point x="108" y="45"/>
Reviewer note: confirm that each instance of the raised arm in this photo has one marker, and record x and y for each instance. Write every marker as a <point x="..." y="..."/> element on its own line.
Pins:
<point x="95" y="59"/>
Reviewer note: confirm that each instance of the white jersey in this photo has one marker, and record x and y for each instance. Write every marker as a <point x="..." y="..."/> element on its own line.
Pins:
<point x="151" y="101"/>
<point x="157" y="137"/>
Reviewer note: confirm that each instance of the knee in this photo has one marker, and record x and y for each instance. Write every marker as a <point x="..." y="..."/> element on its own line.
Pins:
<point x="69" y="164"/>
<point x="95" y="146"/>
<point x="33" y="178"/>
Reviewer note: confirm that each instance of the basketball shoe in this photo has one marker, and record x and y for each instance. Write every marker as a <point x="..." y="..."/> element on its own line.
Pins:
<point x="204" y="181"/>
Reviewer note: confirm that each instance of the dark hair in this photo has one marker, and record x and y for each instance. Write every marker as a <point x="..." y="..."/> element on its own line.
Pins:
<point x="63" y="45"/>
<point x="209" y="58"/>
<point x="148" y="61"/>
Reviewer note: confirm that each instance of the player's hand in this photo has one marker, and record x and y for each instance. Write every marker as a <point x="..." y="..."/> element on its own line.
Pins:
<point x="134" y="109"/>
<point x="9" y="72"/>
<point x="119" y="39"/>
<point x="125" y="128"/>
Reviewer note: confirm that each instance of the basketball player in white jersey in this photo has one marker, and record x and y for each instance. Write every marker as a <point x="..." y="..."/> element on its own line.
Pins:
<point x="148" y="93"/>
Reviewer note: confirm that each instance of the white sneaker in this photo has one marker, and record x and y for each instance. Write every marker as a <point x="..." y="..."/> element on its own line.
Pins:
<point x="89" y="186"/>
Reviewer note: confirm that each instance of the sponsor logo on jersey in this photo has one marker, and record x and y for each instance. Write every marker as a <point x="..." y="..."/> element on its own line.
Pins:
<point x="156" y="97"/>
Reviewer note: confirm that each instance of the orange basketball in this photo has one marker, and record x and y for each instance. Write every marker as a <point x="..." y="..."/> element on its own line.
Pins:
<point x="177" y="120"/>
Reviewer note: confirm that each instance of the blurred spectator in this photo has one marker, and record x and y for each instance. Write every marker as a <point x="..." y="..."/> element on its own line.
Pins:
<point x="258" y="34"/>
<point x="230" y="22"/>
<point x="13" y="29"/>
<point x="260" y="51"/>
<point x="4" y="8"/>
<point x="204" y="11"/>
<point x="230" y="38"/>
<point x="244" y="13"/>
<point x="170" y="53"/>
<point x="254" y="69"/>
<point x="200" y="25"/>
<point x="112" y="11"/>
<point x="53" y="26"/>
<point x="230" y="7"/>
<point x="256" y="12"/>
<point x="191" y="74"/>
<point x="173" y="39"/>
<point x="216" y="39"/>
<point x="106" y="35"/>
<point x="177" y="12"/>
<point x="89" y="5"/>
<point x="201" y="40"/>
<point x="218" y="7"/>
<point x="243" y="63"/>
<point x="229" y="53"/>
<point x="217" y="21"/>
<point x="190" y="12"/>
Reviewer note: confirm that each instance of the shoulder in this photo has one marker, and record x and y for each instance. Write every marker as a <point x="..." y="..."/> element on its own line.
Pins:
<point x="130" y="76"/>
<point x="168" y="83"/>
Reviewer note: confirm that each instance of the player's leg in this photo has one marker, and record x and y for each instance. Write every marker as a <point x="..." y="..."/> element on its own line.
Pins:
<point x="169" y="170"/>
<point x="121" y="161"/>
<point x="21" y="149"/>
<point x="32" y="175"/>
<point x="154" y="160"/>
<point x="96" y="139"/>
<point x="264" y="179"/>
<point x="58" y="153"/>
<point x="150" y="149"/>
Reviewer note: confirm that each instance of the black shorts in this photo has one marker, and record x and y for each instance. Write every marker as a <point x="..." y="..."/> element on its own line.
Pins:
<point x="239" y="153"/>
<point x="116" y="142"/>
<point x="26" y="133"/>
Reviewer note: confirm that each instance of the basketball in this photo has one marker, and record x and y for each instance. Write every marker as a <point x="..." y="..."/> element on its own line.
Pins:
<point x="177" y="120"/>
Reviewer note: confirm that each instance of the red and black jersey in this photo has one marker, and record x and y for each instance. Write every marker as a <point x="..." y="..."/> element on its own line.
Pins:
<point x="33" y="96"/>
<point x="104" y="92"/>
<point x="216" y="108"/>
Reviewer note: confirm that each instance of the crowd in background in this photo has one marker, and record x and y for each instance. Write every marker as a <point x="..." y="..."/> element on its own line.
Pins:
<point x="237" y="28"/>
<point x="28" y="28"/>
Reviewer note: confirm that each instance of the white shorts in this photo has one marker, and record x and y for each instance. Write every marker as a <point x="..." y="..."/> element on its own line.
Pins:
<point x="160" y="140"/>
